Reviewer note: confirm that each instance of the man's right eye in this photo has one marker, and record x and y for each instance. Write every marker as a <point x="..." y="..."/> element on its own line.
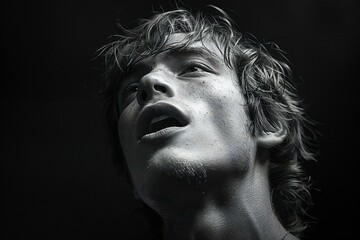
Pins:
<point x="130" y="90"/>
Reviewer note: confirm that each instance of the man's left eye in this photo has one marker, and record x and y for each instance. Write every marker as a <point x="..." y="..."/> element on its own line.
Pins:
<point x="194" y="69"/>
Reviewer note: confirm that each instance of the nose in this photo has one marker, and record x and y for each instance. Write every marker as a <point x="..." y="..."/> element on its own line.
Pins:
<point x="154" y="85"/>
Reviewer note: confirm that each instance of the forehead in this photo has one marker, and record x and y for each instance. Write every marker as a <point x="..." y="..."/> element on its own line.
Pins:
<point x="178" y="46"/>
<point x="179" y="39"/>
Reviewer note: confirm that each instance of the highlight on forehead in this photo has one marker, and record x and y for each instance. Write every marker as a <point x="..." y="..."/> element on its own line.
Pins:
<point x="213" y="56"/>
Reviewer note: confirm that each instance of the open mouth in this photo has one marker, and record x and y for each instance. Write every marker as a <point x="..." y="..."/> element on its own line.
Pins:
<point x="160" y="116"/>
<point x="161" y="122"/>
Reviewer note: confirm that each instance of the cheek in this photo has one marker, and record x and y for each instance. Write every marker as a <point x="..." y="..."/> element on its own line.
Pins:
<point x="126" y="125"/>
<point x="127" y="145"/>
<point x="227" y="113"/>
<point x="226" y="102"/>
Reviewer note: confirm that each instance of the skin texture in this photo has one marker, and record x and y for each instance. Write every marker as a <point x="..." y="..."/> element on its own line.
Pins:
<point x="207" y="178"/>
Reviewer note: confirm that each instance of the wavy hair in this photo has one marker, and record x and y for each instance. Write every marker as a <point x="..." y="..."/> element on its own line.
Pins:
<point x="266" y="83"/>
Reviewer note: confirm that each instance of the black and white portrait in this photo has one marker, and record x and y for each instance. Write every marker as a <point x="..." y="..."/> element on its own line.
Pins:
<point x="179" y="120"/>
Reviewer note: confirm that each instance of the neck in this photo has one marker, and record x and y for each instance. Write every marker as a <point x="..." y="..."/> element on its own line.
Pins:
<point x="238" y="209"/>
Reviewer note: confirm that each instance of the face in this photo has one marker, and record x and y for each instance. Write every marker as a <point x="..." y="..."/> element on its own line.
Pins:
<point x="183" y="121"/>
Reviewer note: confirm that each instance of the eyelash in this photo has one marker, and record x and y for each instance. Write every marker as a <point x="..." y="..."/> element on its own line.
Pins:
<point x="192" y="65"/>
<point x="130" y="90"/>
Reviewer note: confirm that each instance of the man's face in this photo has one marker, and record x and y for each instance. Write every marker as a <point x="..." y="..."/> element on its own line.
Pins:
<point x="183" y="120"/>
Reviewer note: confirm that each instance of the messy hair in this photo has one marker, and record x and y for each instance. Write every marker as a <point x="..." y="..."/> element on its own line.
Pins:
<point x="266" y="83"/>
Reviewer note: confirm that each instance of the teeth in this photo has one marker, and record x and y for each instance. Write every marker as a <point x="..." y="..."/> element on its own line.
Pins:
<point x="158" y="119"/>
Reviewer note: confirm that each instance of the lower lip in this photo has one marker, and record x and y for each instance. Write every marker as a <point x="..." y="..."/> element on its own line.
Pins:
<point x="161" y="134"/>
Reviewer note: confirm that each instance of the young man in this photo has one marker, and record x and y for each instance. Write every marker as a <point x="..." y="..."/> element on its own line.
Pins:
<point x="209" y="127"/>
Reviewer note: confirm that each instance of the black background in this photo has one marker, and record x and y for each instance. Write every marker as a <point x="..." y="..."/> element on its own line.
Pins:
<point x="58" y="179"/>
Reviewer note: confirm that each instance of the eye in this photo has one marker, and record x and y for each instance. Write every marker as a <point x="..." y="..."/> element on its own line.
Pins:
<point x="130" y="90"/>
<point x="194" y="69"/>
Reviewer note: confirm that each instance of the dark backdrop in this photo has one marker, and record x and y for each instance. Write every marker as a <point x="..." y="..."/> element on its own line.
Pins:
<point x="57" y="176"/>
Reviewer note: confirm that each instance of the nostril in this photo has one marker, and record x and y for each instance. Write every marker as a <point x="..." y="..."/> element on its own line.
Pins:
<point x="160" y="88"/>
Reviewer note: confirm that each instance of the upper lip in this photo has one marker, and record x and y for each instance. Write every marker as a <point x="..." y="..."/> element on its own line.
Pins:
<point x="155" y="110"/>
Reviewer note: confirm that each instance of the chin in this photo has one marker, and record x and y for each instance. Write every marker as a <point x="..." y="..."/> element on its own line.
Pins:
<point x="177" y="168"/>
<point x="165" y="185"/>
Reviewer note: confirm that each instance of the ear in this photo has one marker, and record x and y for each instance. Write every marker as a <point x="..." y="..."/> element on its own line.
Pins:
<point x="271" y="139"/>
